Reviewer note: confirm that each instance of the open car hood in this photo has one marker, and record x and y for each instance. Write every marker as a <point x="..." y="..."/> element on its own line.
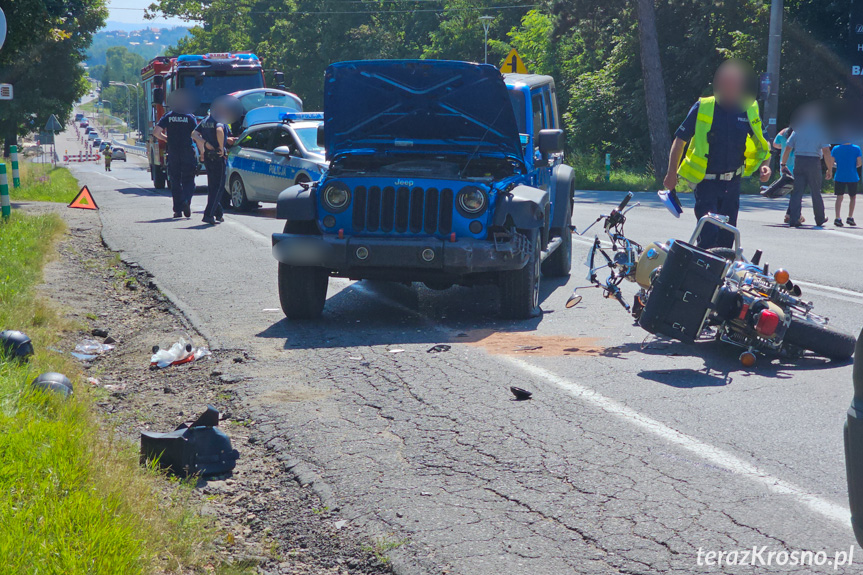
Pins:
<point x="418" y="105"/>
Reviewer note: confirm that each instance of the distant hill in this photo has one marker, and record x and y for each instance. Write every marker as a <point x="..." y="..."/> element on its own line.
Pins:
<point x="112" y="25"/>
<point x="146" y="42"/>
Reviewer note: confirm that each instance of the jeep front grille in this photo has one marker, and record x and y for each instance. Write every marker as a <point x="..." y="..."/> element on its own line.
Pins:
<point x="402" y="209"/>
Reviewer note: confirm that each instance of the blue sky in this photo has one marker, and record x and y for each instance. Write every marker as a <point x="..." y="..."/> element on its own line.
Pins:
<point x="132" y="11"/>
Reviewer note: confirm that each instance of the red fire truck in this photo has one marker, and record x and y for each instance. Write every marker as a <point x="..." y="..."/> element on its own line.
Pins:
<point x="208" y="75"/>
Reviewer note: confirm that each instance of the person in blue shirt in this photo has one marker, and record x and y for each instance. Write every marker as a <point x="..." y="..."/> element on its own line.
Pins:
<point x="848" y="159"/>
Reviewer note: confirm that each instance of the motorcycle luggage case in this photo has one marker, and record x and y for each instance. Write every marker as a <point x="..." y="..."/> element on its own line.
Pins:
<point x="682" y="293"/>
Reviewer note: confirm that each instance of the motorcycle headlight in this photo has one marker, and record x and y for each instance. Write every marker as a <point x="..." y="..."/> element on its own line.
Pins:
<point x="336" y="197"/>
<point x="471" y="200"/>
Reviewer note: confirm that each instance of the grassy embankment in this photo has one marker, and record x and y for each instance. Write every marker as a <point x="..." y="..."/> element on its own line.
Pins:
<point x="74" y="500"/>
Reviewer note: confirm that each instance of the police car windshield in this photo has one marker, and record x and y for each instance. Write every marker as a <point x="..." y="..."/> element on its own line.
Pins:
<point x="210" y="84"/>
<point x="261" y="99"/>
<point x="309" y="139"/>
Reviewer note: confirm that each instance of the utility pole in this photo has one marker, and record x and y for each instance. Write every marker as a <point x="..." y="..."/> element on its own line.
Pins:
<point x="486" y="24"/>
<point x="774" y="52"/>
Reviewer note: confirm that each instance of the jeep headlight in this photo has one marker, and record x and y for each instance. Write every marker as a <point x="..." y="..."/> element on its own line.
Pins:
<point x="471" y="200"/>
<point x="336" y="197"/>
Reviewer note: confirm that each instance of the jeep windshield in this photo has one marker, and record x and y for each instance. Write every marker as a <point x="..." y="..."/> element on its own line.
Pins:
<point x="432" y="166"/>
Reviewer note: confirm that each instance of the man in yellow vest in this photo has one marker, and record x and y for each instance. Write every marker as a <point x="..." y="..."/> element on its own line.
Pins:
<point x="726" y="142"/>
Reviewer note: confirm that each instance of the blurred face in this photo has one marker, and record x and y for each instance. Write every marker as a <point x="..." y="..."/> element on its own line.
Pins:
<point x="729" y="84"/>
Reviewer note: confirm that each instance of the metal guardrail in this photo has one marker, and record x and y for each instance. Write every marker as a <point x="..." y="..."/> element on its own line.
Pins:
<point x="132" y="149"/>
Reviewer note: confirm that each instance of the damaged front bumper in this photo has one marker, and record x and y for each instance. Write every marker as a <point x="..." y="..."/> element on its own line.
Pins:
<point x="351" y="255"/>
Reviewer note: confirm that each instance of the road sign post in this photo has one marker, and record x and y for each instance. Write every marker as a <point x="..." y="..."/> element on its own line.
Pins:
<point x="5" y="204"/>
<point x="513" y="64"/>
<point x="16" y="175"/>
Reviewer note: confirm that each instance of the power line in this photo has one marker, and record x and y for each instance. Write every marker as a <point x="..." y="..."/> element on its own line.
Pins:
<point x="348" y="12"/>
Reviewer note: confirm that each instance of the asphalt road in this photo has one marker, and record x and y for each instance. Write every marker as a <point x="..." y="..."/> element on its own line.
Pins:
<point x="634" y="456"/>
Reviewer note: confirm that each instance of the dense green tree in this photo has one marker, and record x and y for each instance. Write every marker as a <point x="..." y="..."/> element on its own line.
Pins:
<point x="46" y="43"/>
<point x="592" y="47"/>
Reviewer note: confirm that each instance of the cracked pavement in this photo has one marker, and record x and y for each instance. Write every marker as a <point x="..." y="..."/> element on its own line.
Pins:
<point x="429" y="453"/>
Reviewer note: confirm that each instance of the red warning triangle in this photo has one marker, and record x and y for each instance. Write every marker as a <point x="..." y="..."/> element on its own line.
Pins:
<point x="84" y="200"/>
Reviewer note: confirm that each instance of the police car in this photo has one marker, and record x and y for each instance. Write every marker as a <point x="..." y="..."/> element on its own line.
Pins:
<point x="278" y="149"/>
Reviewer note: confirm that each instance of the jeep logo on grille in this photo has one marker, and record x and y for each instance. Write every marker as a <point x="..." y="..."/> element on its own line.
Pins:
<point x="407" y="183"/>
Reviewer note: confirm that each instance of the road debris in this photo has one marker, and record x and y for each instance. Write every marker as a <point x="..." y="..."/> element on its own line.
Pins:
<point x="53" y="382"/>
<point x="396" y="351"/>
<point x="520" y="394"/>
<point x="439" y="348"/>
<point x="91" y="347"/>
<point x="527" y="347"/>
<point x="16" y="344"/>
<point x="183" y="351"/>
<point x="196" y="448"/>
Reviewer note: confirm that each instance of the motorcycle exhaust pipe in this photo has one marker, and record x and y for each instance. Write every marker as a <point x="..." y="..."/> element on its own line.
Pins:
<point x="854" y="446"/>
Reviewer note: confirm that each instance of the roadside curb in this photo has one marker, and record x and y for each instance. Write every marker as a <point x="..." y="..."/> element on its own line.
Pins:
<point x="185" y="310"/>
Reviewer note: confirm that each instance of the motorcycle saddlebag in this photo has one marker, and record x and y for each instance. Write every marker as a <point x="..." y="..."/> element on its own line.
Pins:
<point x="682" y="292"/>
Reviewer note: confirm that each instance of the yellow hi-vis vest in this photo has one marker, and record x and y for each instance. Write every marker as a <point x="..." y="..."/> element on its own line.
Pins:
<point x="694" y="164"/>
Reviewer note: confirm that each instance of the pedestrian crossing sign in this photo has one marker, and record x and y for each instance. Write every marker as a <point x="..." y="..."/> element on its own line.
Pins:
<point x="513" y="64"/>
<point x="84" y="200"/>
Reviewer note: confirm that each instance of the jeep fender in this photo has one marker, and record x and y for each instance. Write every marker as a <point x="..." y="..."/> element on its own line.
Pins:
<point x="524" y="205"/>
<point x="296" y="203"/>
<point x="561" y="188"/>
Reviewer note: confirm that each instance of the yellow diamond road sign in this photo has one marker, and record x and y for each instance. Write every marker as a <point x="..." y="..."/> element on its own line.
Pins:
<point x="513" y="64"/>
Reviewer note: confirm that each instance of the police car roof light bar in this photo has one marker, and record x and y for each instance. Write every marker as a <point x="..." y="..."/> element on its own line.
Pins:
<point x="301" y="116"/>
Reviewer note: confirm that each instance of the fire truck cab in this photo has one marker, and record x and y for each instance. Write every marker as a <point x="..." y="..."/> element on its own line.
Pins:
<point x="208" y="75"/>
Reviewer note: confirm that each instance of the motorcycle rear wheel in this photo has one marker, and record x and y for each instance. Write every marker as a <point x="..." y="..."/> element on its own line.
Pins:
<point x="820" y="339"/>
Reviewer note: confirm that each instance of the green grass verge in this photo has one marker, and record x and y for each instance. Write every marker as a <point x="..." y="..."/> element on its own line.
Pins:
<point x="42" y="183"/>
<point x="75" y="500"/>
<point x="590" y="175"/>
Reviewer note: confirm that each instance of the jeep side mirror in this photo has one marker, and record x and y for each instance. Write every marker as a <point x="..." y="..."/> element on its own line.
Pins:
<point x="321" y="138"/>
<point x="283" y="151"/>
<point x="550" y="142"/>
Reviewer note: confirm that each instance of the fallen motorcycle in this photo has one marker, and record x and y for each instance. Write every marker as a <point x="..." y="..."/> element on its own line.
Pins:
<point x="687" y="293"/>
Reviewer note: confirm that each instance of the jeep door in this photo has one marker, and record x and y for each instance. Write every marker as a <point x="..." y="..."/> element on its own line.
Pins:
<point x="541" y="120"/>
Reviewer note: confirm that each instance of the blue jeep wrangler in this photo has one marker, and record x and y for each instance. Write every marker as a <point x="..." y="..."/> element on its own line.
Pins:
<point x="441" y="172"/>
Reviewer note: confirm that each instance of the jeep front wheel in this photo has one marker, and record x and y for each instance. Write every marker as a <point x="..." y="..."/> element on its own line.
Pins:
<point x="302" y="291"/>
<point x="519" y="289"/>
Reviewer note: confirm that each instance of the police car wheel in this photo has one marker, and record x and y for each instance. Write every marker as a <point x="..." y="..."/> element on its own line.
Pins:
<point x="302" y="291"/>
<point x="160" y="178"/>
<point x="239" y="200"/>
<point x="519" y="289"/>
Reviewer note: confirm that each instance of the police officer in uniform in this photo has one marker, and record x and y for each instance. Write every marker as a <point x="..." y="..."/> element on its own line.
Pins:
<point x="212" y="136"/>
<point x="726" y="142"/>
<point x="175" y="129"/>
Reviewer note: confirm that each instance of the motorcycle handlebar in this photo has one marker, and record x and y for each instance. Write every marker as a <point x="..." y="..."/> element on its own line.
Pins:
<point x="624" y="202"/>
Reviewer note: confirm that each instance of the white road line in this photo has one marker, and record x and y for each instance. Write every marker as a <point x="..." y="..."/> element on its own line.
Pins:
<point x="714" y="455"/>
<point x="249" y="232"/>
<point x="842" y="291"/>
